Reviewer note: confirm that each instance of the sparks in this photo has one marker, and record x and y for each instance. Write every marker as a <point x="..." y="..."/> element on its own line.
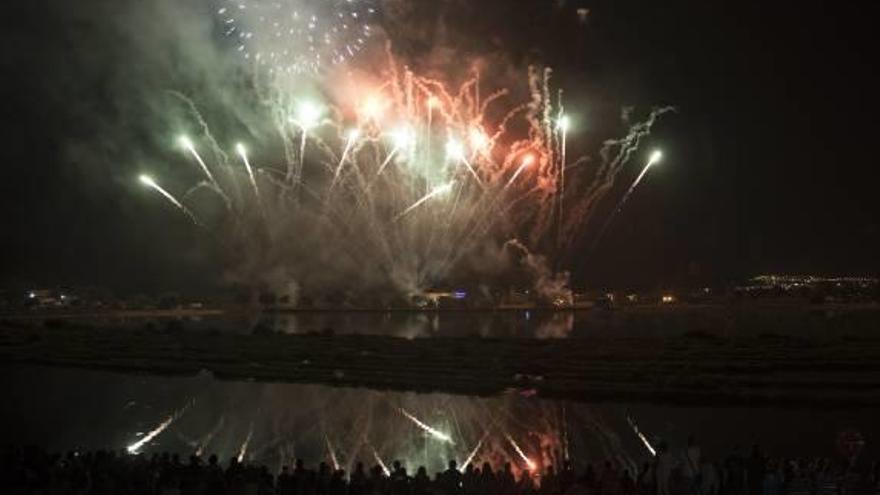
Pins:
<point x="296" y="37"/>
<point x="372" y="108"/>
<point x="526" y="163"/>
<point x="247" y="164"/>
<point x="531" y="465"/>
<point x="242" y="451"/>
<point x="473" y="453"/>
<point x="437" y="191"/>
<point x="564" y="123"/>
<point x="149" y="182"/>
<point x="346" y="173"/>
<point x="190" y="147"/>
<point x="308" y="115"/>
<point x="641" y="436"/>
<point x="135" y="448"/>
<point x="332" y="453"/>
<point x="380" y="462"/>
<point x="655" y="158"/>
<point x="437" y="434"/>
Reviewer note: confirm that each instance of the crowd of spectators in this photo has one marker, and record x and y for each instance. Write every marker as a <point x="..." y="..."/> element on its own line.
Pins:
<point x="684" y="472"/>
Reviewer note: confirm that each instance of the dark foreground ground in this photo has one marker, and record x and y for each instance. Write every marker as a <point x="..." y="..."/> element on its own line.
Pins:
<point x="824" y="370"/>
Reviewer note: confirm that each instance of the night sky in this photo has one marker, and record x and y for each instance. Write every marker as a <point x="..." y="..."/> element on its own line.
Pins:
<point x="771" y="163"/>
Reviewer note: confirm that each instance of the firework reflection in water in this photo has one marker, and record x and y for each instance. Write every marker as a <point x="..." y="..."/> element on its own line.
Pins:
<point x="345" y="426"/>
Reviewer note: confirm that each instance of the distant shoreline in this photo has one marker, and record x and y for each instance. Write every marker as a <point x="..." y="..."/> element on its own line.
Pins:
<point x="239" y="309"/>
<point x="699" y="368"/>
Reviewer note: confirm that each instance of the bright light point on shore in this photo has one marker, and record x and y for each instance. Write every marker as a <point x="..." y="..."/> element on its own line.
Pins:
<point x="656" y="156"/>
<point x="308" y="114"/>
<point x="239" y="148"/>
<point x="433" y="102"/>
<point x="147" y="180"/>
<point x="185" y="142"/>
<point x="564" y="123"/>
<point x="353" y="134"/>
<point x="454" y="150"/>
<point x="528" y="160"/>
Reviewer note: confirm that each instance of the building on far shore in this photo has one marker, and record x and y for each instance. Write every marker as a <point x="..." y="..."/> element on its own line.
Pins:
<point x="816" y="289"/>
<point x="49" y="298"/>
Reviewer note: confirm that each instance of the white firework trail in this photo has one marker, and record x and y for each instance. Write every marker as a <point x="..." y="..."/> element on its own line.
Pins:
<point x="473" y="453"/>
<point x="244" y="446"/>
<point x="434" y="432"/>
<point x="641" y="436"/>
<point x="531" y="464"/>
<point x="136" y="447"/>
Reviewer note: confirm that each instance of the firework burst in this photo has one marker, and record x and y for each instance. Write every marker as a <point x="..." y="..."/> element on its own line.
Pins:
<point x="297" y="36"/>
<point x="396" y="185"/>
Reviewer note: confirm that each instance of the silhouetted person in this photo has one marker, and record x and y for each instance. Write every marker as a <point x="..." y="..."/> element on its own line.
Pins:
<point x="735" y="474"/>
<point x="470" y="481"/>
<point x="358" y="482"/>
<point x="691" y="466"/>
<point x="451" y="479"/>
<point x="215" y="481"/>
<point x="665" y="465"/>
<point x="526" y="485"/>
<point x="755" y="467"/>
<point x="399" y="479"/>
<point x="550" y="482"/>
<point x="337" y="483"/>
<point x="506" y="481"/>
<point x="421" y="484"/>
<point x="376" y="481"/>
<point x="286" y="483"/>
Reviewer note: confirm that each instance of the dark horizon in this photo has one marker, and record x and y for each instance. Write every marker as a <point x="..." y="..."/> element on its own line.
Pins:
<point x="768" y="161"/>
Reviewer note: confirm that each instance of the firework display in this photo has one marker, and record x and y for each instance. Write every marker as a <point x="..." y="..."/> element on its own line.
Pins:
<point x="401" y="185"/>
<point x="384" y="186"/>
<point x="297" y="36"/>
